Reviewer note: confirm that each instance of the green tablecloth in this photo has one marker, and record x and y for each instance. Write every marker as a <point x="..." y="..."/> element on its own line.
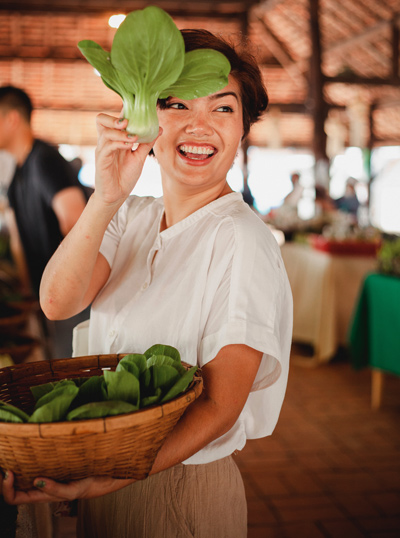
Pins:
<point x="374" y="337"/>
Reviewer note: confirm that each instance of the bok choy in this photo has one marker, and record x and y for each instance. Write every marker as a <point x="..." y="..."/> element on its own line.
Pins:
<point x="147" y="62"/>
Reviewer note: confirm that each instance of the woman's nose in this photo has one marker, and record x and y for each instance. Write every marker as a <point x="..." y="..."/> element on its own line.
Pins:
<point x="198" y="125"/>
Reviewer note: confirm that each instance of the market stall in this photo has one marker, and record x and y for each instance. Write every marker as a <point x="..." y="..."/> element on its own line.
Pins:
<point x="374" y="335"/>
<point x="325" y="289"/>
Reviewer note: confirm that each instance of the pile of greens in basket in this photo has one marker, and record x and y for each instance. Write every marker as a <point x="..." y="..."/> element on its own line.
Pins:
<point x="138" y="381"/>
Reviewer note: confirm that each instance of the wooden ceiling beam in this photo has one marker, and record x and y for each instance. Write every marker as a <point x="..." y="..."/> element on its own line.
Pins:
<point x="230" y="9"/>
<point x="361" y="38"/>
<point x="366" y="81"/>
<point x="279" y="51"/>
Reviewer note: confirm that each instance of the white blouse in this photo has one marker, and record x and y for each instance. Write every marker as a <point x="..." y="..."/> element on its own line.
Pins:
<point x="213" y="279"/>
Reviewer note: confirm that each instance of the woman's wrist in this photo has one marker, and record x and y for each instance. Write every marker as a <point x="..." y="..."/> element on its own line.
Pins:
<point x="104" y="210"/>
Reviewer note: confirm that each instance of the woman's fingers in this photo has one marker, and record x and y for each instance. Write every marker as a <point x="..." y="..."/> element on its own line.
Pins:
<point x="112" y="132"/>
<point x="15" y="497"/>
<point x="43" y="490"/>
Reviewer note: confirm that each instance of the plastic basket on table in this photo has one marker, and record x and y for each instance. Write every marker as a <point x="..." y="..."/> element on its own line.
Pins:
<point x="122" y="446"/>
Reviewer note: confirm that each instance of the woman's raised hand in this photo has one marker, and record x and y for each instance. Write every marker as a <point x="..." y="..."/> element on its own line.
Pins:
<point x="118" y="163"/>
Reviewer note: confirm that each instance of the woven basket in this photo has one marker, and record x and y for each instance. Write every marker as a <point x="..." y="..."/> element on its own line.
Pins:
<point x="123" y="446"/>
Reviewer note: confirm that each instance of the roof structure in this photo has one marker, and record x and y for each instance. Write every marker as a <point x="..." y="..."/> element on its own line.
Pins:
<point x="331" y="67"/>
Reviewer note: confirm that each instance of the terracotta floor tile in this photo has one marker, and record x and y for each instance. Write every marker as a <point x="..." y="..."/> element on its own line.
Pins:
<point x="269" y="484"/>
<point x="381" y="524"/>
<point x="259" y="513"/>
<point x="357" y="505"/>
<point x="342" y="529"/>
<point x="306" y="508"/>
<point x="388" y="503"/>
<point x="301" y="482"/>
<point x="349" y="481"/>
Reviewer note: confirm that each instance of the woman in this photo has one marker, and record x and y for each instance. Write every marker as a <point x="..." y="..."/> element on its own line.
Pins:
<point x="198" y="270"/>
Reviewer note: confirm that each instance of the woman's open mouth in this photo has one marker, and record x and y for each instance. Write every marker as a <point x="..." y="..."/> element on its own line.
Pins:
<point x="196" y="153"/>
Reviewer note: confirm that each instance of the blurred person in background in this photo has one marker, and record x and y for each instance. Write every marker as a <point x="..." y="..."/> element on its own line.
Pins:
<point x="293" y="198"/>
<point x="45" y="199"/>
<point x="349" y="202"/>
<point x="324" y="204"/>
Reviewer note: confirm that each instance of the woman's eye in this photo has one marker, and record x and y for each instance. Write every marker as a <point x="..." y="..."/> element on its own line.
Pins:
<point x="178" y="106"/>
<point x="225" y="109"/>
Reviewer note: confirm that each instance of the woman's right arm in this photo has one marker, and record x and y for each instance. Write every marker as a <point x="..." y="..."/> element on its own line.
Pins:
<point x="77" y="271"/>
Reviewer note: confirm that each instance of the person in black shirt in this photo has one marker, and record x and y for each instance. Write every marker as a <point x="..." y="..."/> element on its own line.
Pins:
<point x="46" y="199"/>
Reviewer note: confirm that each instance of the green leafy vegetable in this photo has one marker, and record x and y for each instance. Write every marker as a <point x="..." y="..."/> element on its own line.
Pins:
<point x="138" y="381"/>
<point x="100" y="410"/>
<point x="40" y="390"/>
<point x="57" y="389"/>
<point x="161" y="360"/>
<point x="123" y="386"/>
<point x="93" y="389"/>
<point x="9" y="413"/>
<point x="53" y="407"/>
<point x="181" y="384"/>
<point x="147" y="61"/>
<point x="164" y="376"/>
<point x="134" y="363"/>
<point x="161" y="349"/>
<point x="151" y="400"/>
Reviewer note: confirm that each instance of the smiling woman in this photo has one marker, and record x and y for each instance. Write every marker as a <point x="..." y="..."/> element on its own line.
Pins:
<point x="196" y="270"/>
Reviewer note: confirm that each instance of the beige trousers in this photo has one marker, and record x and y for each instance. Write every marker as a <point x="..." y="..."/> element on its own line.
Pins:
<point x="202" y="501"/>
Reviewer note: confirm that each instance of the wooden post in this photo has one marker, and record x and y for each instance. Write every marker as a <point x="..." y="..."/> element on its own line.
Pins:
<point x="245" y="147"/>
<point x="395" y="50"/>
<point x="376" y="388"/>
<point x="318" y="107"/>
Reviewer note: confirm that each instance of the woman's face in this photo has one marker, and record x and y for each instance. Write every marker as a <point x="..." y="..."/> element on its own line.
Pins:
<point x="200" y="138"/>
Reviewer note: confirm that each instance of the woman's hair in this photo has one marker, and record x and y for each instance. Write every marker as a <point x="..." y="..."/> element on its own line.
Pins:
<point x="244" y="69"/>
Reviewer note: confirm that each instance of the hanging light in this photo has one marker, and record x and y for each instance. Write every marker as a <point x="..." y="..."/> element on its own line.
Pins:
<point x="115" y="20"/>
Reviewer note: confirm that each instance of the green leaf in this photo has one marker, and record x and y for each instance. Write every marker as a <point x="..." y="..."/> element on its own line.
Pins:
<point x="145" y="383"/>
<point x="181" y="385"/>
<point x="93" y="389"/>
<point x="57" y="389"/>
<point x="122" y="386"/>
<point x="55" y="409"/>
<point x="148" y="59"/>
<point x="159" y="360"/>
<point x="151" y="400"/>
<point x="101" y="410"/>
<point x="205" y="71"/>
<point x="149" y="49"/>
<point x="40" y="390"/>
<point x="135" y="363"/>
<point x="10" y="413"/>
<point x="164" y="377"/>
<point x="162" y="349"/>
<point x="101" y="61"/>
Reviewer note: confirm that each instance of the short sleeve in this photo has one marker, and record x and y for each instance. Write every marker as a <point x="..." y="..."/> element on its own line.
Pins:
<point x="253" y="306"/>
<point x="119" y="223"/>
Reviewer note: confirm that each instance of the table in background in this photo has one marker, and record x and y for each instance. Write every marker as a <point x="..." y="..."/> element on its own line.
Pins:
<point x="375" y="331"/>
<point x="325" y="289"/>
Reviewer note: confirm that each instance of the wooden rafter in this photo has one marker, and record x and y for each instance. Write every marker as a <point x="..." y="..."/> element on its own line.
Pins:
<point x="361" y="38"/>
<point x="280" y="52"/>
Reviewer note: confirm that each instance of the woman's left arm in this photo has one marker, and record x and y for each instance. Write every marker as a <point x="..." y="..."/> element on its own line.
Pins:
<point x="227" y="383"/>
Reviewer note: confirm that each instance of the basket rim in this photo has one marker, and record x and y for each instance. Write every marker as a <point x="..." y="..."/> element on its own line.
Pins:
<point x="96" y="425"/>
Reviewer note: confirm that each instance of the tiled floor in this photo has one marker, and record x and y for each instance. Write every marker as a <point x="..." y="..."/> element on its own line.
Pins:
<point x="331" y="469"/>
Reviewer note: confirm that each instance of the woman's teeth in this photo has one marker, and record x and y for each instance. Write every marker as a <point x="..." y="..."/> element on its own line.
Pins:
<point x="196" y="151"/>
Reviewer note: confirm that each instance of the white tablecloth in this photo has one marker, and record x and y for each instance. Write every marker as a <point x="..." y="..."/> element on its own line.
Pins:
<point x="325" y="289"/>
